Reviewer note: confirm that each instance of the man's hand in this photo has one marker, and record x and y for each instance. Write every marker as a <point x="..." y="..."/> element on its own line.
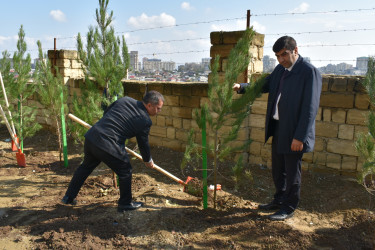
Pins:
<point x="236" y="87"/>
<point x="150" y="164"/>
<point x="296" y="145"/>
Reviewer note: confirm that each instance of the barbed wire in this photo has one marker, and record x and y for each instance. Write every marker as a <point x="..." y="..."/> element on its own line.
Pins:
<point x="270" y="34"/>
<point x="176" y="52"/>
<point x="320" y="32"/>
<point x="199" y="51"/>
<point x="236" y="18"/>
<point x="332" y="45"/>
<point x="312" y="12"/>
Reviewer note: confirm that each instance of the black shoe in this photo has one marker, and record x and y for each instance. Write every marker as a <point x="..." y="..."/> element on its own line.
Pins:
<point x="132" y="206"/>
<point x="69" y="201"/>
<point x="281" y="215"/>
<point x="270" y="206"/>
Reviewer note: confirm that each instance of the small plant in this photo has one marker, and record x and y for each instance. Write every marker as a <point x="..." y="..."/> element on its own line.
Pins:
<point x="223" y="108"/>
<point x="50" y="89"/>
<point x="365" y="143"/>
<point x="19" y="88"/>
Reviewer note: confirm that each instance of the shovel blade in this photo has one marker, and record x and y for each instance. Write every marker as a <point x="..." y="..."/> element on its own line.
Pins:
<point x="21" y="159"/>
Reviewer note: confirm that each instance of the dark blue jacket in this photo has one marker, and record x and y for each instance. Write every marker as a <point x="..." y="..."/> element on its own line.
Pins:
<point x="298" y="105"/>
<point x="122" y="120"/>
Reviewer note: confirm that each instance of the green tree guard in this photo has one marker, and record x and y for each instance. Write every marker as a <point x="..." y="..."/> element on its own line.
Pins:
<point x="204" y="157"/>
<point x="65" y="144"/>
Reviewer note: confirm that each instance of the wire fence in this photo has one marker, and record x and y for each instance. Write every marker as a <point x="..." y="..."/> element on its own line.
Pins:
<point x="160" y="50"/>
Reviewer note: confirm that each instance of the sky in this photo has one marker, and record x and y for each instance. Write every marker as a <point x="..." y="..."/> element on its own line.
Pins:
<point x="326" y="31"/>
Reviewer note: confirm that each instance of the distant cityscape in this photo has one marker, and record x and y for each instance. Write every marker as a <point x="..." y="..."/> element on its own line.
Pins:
<point x="166" y="71"/>
<point x="158" y="70"/>
<point x="335" y="69"/>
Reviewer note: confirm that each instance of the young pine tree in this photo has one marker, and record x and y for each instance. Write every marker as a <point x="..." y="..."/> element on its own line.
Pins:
<point x="365" y="143"/>
<point x="20" y="89"/>
<point x="222" y="109"/>
<point x="50" y="89"/>
<point x="105" y="62"/>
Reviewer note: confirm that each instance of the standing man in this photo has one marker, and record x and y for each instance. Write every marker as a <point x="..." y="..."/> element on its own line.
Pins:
<point x="105" y="142"/>
<point x="294" y="89"/>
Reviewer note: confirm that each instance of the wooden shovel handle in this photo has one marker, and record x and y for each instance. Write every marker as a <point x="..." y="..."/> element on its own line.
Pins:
<point x="157" y="167"/>
<point x="9" y="129"/>
<point x="76" y="119"/>
<point x="7" y="103"/>
<point x="85" y="124"/>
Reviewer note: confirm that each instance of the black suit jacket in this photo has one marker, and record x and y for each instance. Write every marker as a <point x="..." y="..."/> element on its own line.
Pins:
<point x="298" y="105"/>
<point x="122" y="120"/>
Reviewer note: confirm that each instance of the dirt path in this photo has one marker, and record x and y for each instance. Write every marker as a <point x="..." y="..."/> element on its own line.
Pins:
<point x="334" y="213"/>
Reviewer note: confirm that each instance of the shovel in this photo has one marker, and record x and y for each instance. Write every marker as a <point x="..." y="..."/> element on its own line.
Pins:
<point x="10" y="114"/>
<point x="187" y="188"/>
<point x="21" y="159"/>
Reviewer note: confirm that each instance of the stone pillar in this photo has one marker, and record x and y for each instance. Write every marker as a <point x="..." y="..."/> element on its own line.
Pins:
<point x="224" y="42"/>
<point x="67" y="62"/>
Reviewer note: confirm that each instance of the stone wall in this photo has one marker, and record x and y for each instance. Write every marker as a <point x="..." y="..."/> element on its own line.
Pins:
<point x="342" y="113"/>
<point x="344" y="105"/>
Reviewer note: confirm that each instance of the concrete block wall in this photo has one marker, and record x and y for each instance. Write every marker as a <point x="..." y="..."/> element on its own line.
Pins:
<point x="344" y="106"/>
<point x="172" y="125"/>
<point x="342" y="113"/>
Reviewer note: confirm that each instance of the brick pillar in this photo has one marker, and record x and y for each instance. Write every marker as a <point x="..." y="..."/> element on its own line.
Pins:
<point x="68" y="64"/>
<point x="224" y="42"/>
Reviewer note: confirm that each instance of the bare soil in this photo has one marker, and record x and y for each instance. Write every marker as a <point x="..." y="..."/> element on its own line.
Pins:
<point x="335" y="211"/>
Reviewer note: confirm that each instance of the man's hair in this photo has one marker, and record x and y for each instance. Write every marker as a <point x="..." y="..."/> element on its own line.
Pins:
<point x="284" y="42"/>
<point x="153" y="97"/>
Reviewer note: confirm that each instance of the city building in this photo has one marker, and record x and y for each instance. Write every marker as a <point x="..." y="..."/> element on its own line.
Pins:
<point x="206" y="64"/>
<point x="268" y="64"/>
<point x="361" y="63"/>
<point x="134" y="64"/>
<point x="152" y="65"/>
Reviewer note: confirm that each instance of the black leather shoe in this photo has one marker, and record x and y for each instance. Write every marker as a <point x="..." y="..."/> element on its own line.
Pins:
<point x="132" y="206"/>
<point x="270" y="206"/>
<point x="281" y="215"/>
<point x="69" y="201"/>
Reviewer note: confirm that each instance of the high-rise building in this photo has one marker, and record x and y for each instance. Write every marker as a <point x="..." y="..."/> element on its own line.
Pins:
<point x="362" y="62"/>
<point x="206" y="63"/>
<point x="134" y="61"/>
<point x="168" y="66"/>
<point x="268" y="64"/>
<point x="152" y="65"/>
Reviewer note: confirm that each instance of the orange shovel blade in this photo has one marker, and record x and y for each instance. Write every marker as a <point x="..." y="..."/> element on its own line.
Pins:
<point x="21" y="159"/>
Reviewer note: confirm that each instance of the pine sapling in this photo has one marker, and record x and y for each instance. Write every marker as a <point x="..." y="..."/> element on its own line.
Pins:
<point x="50" y="88"/>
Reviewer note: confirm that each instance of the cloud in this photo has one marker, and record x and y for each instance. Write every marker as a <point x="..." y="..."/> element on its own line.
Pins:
<point x="4" y="39"/>
<point x="58" y="15"/>
<point x="186" y="6"/>
<point x="303" y="7"/>
<point x="238" y="25"/>
<point x="258" y="27"/>
<point x="144" y="21"/>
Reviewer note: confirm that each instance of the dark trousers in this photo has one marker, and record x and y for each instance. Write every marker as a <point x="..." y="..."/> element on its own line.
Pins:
<point x="93" y="157"/>
<point x="286" y="174"/>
